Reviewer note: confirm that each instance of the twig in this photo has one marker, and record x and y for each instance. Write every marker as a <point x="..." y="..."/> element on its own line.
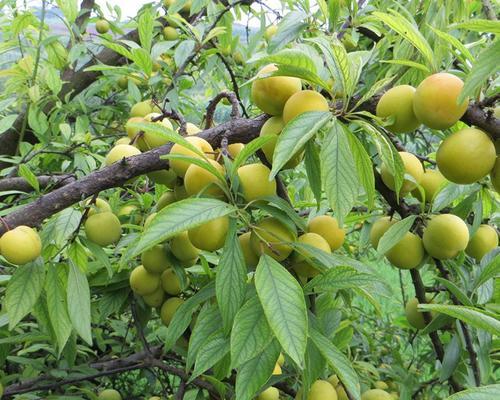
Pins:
<point x="212" y="106"/>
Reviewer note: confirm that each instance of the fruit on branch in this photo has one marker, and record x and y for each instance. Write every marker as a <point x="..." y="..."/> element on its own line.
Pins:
<point x="234" y="149"/>
<point x="408" y="253"/>
<point x="20" y="245"/>
<point x="130" y="213"/>
<point x="394" y="395"/>
<point x="151" y="140"/>
<point x="412" y="167"/>
<point x="170" y="282"/>
<point x="466" y="156"/>
<point x="376" y="394"/>
<point x="270" y="32"/>
<point x="180" y="166"/>
<point x="255" y="183"/>
<point x="109" y="394"/>
<point x="397" y="103"/>
<point x="165" y="199"/>
<point x="123" y="140"/>
<point x="155" y="259"/>
<point x="102" y="26"/>
<point x="435" y="101"/>
<point x="183" y="249"/>
<point x="320" y="390"/>
<point x="271" y="393"/>
<point x="482" y="242"/>
<point x="100" y="205"/>
<point x="103" y="228"/>
<point x="148" y="220"/>
<point x="131" y="131"/>
<point x="431" y="182"/>
<point x="169" y="308"/>
<point x="303" y="101"/>
<point x="270" y="236"/>
<point x="120" y="152"/>
<point x="143" y="108"/>
<point x="381" y="385"/>
<point x="170" y="33"/>
<point x="328" y="228"/>
<point x="415" y="318"/>
<point x="495" y="175"/>
<point x="143" y="282"/>
<point x="192" y="129"/>
<point x="273" y="127"/>
<point x="211" y="235"/>
<point x="445" y="236"/>
<point x="156" y="298"/>
<point x="270" y="94"/>
<point x="250" y="256"/>
<point x="380" y="226"/>
<point x="199" y="180"/>
<point x="300" y="261"/>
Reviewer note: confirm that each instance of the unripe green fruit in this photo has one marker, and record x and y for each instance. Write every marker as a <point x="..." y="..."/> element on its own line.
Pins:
<point x="123" y="82"/>
<point x="435" y="101"/>
<point x="103" y="228"/>
<point x="408" y="253"/>
<point x="166" y="199"/>
<point x="142" y="109"/>
<point x="415" y="318"/>
<point x="334" y="380"/>
<point x="170" y="282"/>
<point x="182" y="248"/>
<point x="179" y="166"/>
<point x="482" y="242"/>
<point x="431" y="182"/>
<point x="466" y="156"/>
<point x="274" y="233"/>
<point x="398" y="103"/>
<point x="211" y="235"/>
<point x="120" y="152"/>
<point x="109" y="394"/>
<point x="156" y="298"/>
<point x="123" y="140"/>
<point x="170" y="33"/>
<point x="376" y="394"/>
<point x="198" y="180"/>
<point x="304" y="101"/>
<point x="381" y="385"/>
<point x="270" y="94"/>
<point x="148" y="220"/>
<point x="271" y="393"/>
<point x="130" y="213"/>
<point x="102" y="26"/>
<point x="165" y="177"/>
<point x="169" y="308"/>
<point x="155" y="259"/>
<point x="495" y="175"/>
<point x="143" y="282"/>
<point x="155" y="398"/>
<point x="270" y="32"/>
<point x="20" y="245"/>
<point x="251" y="258"/>
<point x="380" y="226"/>
<point x="320" y="390"/>
<point x="300" y="264"/>
<point x="254" y="182"/>
<point x="412" y="166"/>
<point x="238" y="58"/>
<point x="328" y="228"/>
<point x="273" y="127"/>
<point x="192" y="129"/>
<point x="445" y="236"/>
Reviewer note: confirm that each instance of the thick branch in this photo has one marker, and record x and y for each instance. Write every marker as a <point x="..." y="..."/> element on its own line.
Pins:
<point x="489" y="10"/>
<point x="44" y="181"/>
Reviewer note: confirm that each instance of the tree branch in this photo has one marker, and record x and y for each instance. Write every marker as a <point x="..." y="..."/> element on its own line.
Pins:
<point x="44" y="181"/>
<point x="489" y="10"/>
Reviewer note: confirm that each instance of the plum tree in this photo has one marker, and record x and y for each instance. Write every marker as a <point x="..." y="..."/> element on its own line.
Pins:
<point x="270" y="236"/>
<point x="103" y="228"/>
<point x="304" y="101"/>
<point x="270" y="94"/>
<point x="155" y="259"/>
<point x="255" y="183"/>
<point x="143" y="282"/>
<point x="102" y="26"/>
<point x="380" y="226"/>
<point x="20" y="245"/>
<point x="414" y="316"/>
<point x="431" y="182"/>
<point x="412" y="166"/>
<point x="445" y="236"/>
<point x="170" y="282"/>
<point x="482" y="242"/>
<point x="397" y="103"/>
<point x="300" y="263"/>
<point x="199" y="180"/>
<point x="180" y="166"/>
<point x="469" y="147"/>
<point x="183" y="249"/>
<point x="376" y="394"/>
<point x="109" y="394"/>
<point x="271" y="393"/>
<point x="408" y="253"/>
<point x="211" y="235"/>
<point x="251" y="257"/>
<point x="328" y="228"/>
<point x="169" y="308"/>
<point x="120" y="152"/>
<point x="435" y="101"/>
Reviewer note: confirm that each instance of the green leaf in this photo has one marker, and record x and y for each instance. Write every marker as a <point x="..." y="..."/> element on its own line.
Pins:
<point x="249" y="150"/>
<point x="479" y="25"/>
<point x="489" y="392"/>
<point x="146" y="29"/>
<point x="183" y="51"/>
<point x="469" y="315"/>
<point x="457" y="44"/>
<point x="250" y="334"/>
<point x="338" y="172"/>
<point x="143" y="60"/>
<point x="449" y="193"/>
<point x="284" y="306"/>
<point x="215" y="347"/>
<point x="78" y="293"/>
<point x="289" y="28"/>
<point x="490" y="270"/>
<point x="456" y="291"/>
<point x="117" y="48"/>
<point x="23" y="290"/>
<point x="230" y="281"/>
<point x="486" y="65"/>
<point x="451" y="358"/>
<point x="337" y="278"/>
<point x="7" y="122"/>
<point x="395" y="233"/>
<point x="373" y="90"/>
<point x="339" y="363"/>
<point x="312" y="163"/>
<point x="26" y="173"/>
<point x="295" y="135"/>
<point x="408" y="63"/>
<point x="69" y="9"/>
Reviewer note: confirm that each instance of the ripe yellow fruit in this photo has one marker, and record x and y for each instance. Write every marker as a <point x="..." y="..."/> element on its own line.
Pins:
<point x="156" y="298"/>
<point x="169" y="308"/>
<point x="341" y="393"/>
<point x="20" y="245"/>
<point x="149" y="140"/>
<point x="322" y="390"/>
<point x="170" y="282"/>
<point x="102" y="26"/>
<point x="270" y="94"/>
<point x="109" y="394"/>
<point x="303" y="101"/>
<point x="272" y="232"/>
<point x="143" y="282"/>
<point x="182" y="248"/>
<point x="165" y="177"/>
<point x="415" y="318"/>
<point x="466" y="156"/>
<point x="170" y="33"/>
<point x="271" y="393"/>
<point x="380" y="226"/>
<point x="435" y="101"/>
<point x="300" y="264"/>
<point x="198" y="180"/>
<point x="131" y="131"/>
<point x="381" y="385"/>
<point x="281" y="359"/>
<point x="100" y="205"/>
<point x="445" y="236"/>
<point x="234" y="149"/>
<point x="142" y="109"/>
<point x="179" y="166"/>
<point x="495" y="175"/>
<point x="121" y="151"/>
<point x="155" y="259"/>
<point x="192" y="129"/>
<point x="412" y="166"/>
<point x="408" y="253"/>
<point x="277" y="369"/>
<point x="273" y="127"/>
<point x="251" y="258"/>
<point x="270" y="32"/>
<point x="211" y="235"/>
<point x="482" y="242"/>
<point x="123" y="140"/>
<point x="431" y="182"/>
<point x="394" y="395"/>
<point x="328" y="228"/>
<point x="165" y="199"/>
<point x="398" y="103"/>
<point x="376" y="394"/>
<point x="103" y="228"/>
<point x="254" y="182"/>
